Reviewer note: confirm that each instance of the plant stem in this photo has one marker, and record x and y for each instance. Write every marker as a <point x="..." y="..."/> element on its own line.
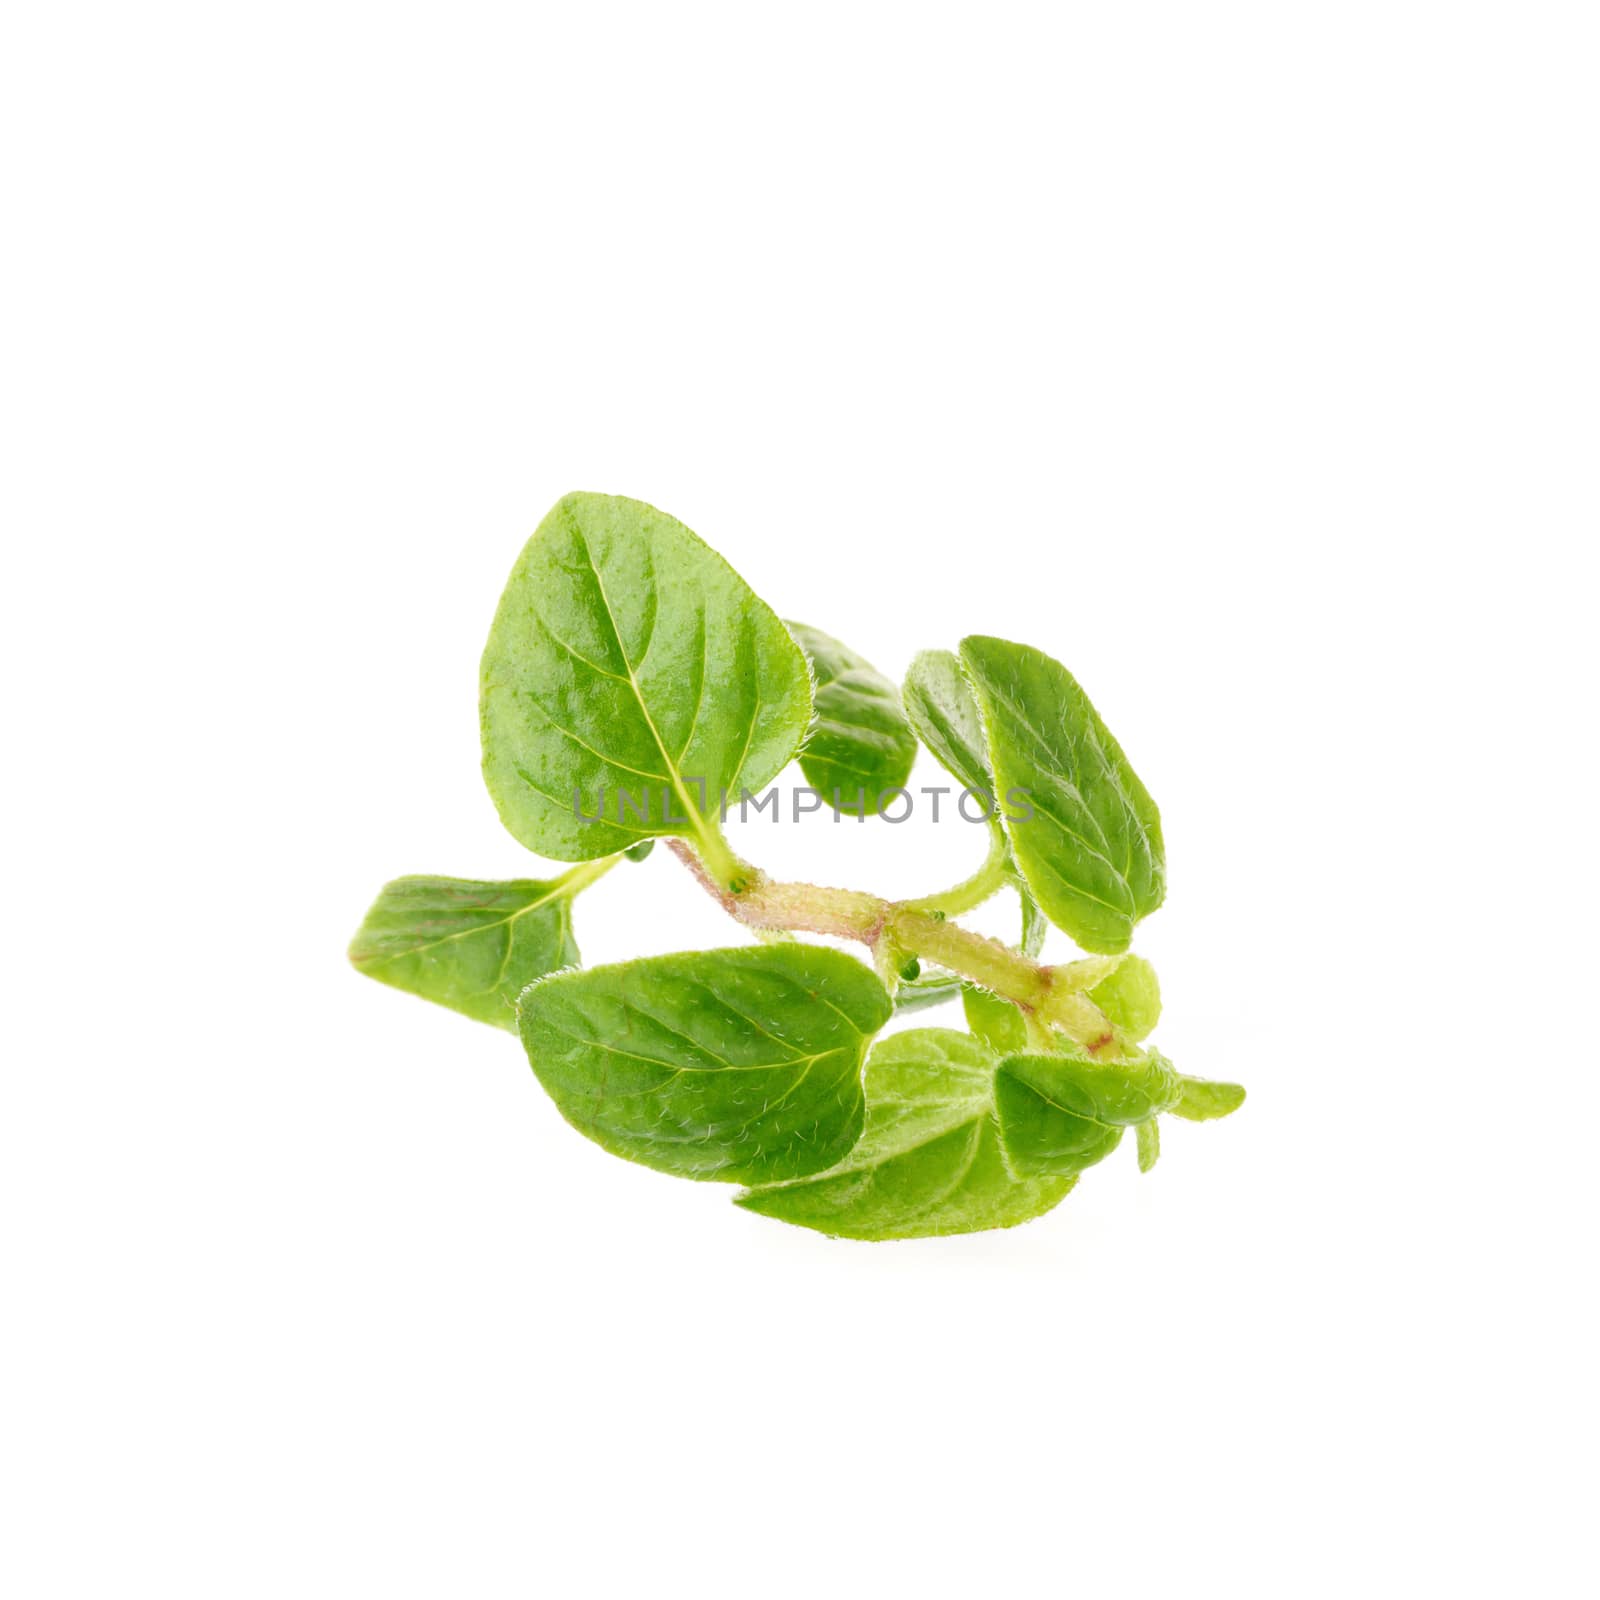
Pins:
<point x="725" y="868"/>
<point x="764" y="903"/>
<point x="970" y="892"/>
<point x="987" y="962"/>
<point x="1053" y="995"/>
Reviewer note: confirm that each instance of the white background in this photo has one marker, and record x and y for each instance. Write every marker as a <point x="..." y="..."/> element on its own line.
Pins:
<point x="1242" y="356"/>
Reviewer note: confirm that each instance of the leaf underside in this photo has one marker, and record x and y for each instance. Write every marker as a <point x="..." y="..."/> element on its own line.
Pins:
<point x="468" y="945"/>
<point x="1041" y="1135"/>
<point x="929" y="1161"/>
<point x="734" y="1065"/>
<point x="940" y="706"/>
<point x="1092" y="851"/>
<point x="860" y="745"/>
<point x="631" y="676"/>
<point x="1116" y="1093"/>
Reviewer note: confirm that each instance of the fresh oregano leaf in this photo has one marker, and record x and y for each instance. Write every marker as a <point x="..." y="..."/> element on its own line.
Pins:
<point x="1130" y="997"/>
<point x="631" y="676"/>
<point x="1149" y="1136"/>
<point x="929" y="1161"/>
<point x="468" y="945"/>
<point x="997" y="1022"/>
<point x="1119" y="1093"/>
<point x="1041" y="1127"/>
<point x="1202" y="1100"/>
<point x="1088" y="841"/>
<point x="860" y="746"/>
<point x="939" y="703"/>
<point x="737" y="1065"/>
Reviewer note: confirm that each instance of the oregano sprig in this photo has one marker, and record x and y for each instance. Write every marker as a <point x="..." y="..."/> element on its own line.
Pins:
<point x="632" y="688"/>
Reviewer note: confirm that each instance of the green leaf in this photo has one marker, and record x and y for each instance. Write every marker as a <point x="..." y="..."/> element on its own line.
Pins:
<point x="860" y="743"/>
<point x="1202" y="1100"/>
<point x="939" y="703"/>
<point x="1117" y="1093"/>
<point x="929" y="1161"/>
<point x="1130" y="997"/>
<point x="735" y="1065"/>
<point x="1088" y="840"/>
<point x="1042" y="1131"/>
<point x="997" y="1022"/>
<point x="934" y="986"/>
<point x="1149" y="1135"/>
<point x="631" y="675"/>
<point x="468" y="945"/>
